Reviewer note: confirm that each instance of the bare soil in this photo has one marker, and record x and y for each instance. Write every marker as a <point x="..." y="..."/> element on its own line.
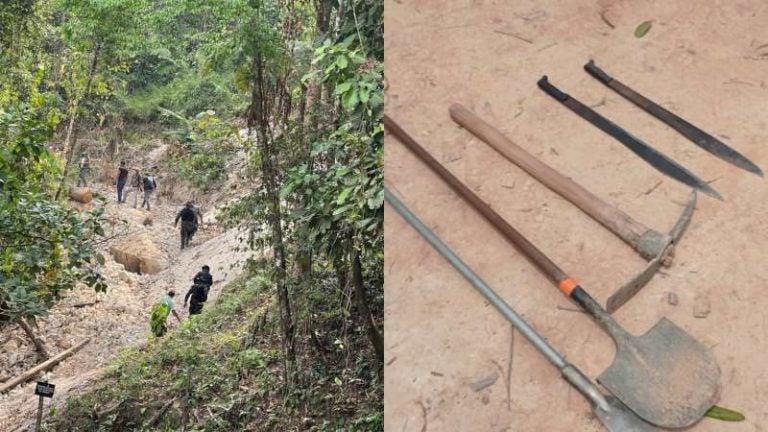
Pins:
<point x="452" y="361"/>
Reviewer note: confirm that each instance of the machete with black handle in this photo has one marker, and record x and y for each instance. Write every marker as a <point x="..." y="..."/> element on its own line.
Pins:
<point x="659" y="161"/>
<point x="696" y="135"/>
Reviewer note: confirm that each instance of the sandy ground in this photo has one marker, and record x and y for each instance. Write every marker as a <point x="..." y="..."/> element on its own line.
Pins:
<point x="707" y="61"/>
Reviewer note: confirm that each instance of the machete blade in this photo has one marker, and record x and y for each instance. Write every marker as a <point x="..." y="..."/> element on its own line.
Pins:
<point x="658" y="160"/>
<point x="694" y="134"/>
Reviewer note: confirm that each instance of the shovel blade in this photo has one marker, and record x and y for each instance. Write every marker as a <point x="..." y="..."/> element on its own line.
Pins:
<point x="618" y="418"/>
<point x="665" y="376"/>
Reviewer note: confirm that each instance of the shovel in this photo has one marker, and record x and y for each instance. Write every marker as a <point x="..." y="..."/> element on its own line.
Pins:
<point x="610" y="411"/>
<point x="665" y="376"/>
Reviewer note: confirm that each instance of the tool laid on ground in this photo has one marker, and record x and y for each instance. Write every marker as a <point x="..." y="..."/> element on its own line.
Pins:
<point x="650" y="244"/>
<point x="665" y="376"/>
<point x="662" y="163"/>
<point x="609" y="410"/>
<point x="696" y="135"/>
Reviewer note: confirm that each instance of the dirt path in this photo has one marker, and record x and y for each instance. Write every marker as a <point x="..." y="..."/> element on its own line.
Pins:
<point x="119" y="319"/>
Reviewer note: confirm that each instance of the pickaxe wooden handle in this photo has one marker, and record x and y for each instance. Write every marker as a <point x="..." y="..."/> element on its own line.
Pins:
<point x="612" y="218"/>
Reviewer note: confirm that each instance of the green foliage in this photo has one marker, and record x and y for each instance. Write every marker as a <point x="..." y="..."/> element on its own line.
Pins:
<point x="345" y="200"/>
<point x="364" y="21"/>
<point x="206" y="142"/>
<point x="45" y="248"/>
<point x="228" y="372"/>
<point x="188" y="94"/>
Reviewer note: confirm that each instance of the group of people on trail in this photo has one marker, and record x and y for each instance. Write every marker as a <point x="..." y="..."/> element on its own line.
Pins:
<point x="196" y="296"/>
<point x="139" y="182"/>
<point x="190" y="215"/>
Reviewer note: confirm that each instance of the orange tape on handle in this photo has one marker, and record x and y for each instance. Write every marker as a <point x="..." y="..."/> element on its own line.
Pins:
<point x="567" y="285"/>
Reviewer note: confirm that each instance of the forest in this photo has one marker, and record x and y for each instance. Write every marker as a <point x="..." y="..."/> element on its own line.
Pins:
<point x="267" y="112"/>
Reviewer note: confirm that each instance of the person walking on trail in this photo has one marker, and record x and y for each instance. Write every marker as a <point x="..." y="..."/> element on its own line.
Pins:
<point x="134" y="187"/>
<point x="204" y="277"/>
<point x="199" y="295"/>
<point x="159" y="314"/>
<point x="122" y="178"/>
<point x="149" y="186"/>
<point x="188" y="223"/>
<point x="85" y="169"/>
<point x="198" y="219"/>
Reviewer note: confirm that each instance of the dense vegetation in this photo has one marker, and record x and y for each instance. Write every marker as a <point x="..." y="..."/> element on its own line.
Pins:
<point x="304" y="78"/>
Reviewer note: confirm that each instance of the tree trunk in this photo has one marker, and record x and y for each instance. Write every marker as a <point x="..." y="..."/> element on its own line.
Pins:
<point x="361" y="302"/>
<point x="70" y="144"/>
<point x="258" y="119"/>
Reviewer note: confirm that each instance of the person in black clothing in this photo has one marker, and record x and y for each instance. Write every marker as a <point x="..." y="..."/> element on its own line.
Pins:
<point x="122" y="178"/>
<point x="199" y="294"/>
<point x="204" y="277"/>
<point x="198" y="217"/>
<point x="188" y="223"/>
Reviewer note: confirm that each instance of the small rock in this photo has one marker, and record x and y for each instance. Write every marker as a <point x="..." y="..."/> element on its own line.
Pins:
<point x="63" y="344"/>
<point x="486" y="399"/>
<point x="701" y="307"/>
<point x="672" y="299"/>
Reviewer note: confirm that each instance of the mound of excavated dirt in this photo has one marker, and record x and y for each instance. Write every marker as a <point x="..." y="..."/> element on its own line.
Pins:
<point x="139" y="254"/>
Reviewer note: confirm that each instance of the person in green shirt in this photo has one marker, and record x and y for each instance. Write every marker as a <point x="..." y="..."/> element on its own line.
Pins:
<point x="160" y="312"/>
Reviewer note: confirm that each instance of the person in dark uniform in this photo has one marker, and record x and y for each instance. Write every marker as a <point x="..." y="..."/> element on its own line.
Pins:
<point x="122" y="178"/>
<point x="188" y="223"/>
<point x="204" y="277"/>
<point x="199" y="295"/>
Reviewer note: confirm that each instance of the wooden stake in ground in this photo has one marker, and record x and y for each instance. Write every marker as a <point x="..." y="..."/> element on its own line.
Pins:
<point x="42" y="367"/>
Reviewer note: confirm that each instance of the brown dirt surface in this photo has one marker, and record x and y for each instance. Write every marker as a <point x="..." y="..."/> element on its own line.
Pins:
<point x="706" y="61"/>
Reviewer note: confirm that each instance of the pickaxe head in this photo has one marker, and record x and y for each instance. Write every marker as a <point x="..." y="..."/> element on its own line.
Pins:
<point x="657" y="249"/>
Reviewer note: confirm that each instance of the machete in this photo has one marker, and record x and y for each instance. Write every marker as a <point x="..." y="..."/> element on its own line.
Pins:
<point x="662" y="163"/>
<point x="696" y="135"/>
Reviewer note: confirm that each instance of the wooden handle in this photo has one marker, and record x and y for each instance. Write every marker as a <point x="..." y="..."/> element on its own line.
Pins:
<point x="609" y="216"/>
<point x="527" y="248"/>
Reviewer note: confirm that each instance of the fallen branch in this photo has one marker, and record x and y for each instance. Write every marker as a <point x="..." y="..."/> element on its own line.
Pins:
<point x="36" y="340"/>
<point x="160" y="413"/>
<point x="42" y="367"/>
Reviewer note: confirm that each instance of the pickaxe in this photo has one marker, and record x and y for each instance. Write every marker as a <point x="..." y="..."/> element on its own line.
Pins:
<point x="655" y="247"/>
